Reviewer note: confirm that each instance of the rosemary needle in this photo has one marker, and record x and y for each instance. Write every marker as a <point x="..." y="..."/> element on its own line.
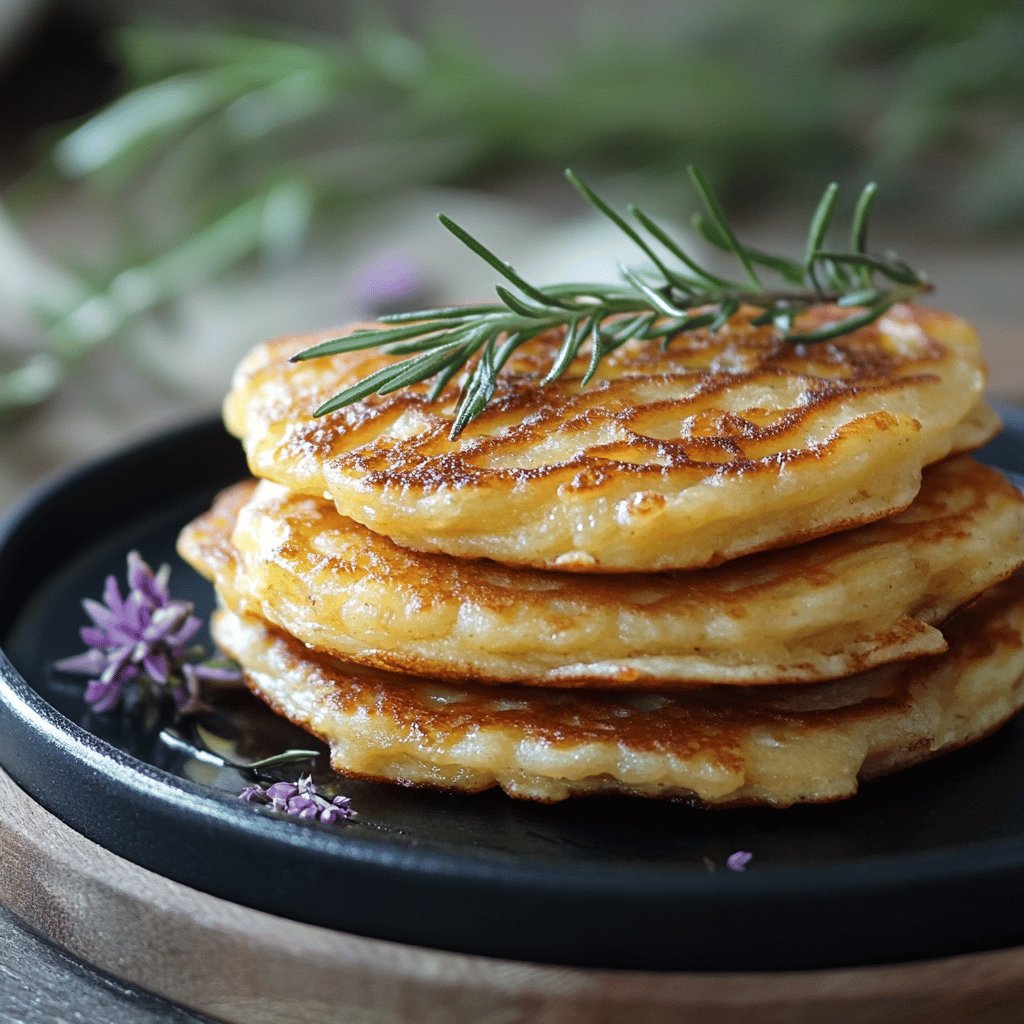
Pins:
<point x="657" y="303"/>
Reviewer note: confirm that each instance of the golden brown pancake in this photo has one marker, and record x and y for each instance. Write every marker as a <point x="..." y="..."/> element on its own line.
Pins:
<point x="726" y="444"/>
<point x="828" y="608"/>
<point x="721" y="746"/>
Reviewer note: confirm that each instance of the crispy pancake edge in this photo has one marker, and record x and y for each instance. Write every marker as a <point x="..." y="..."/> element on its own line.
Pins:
<point x="734" y="748"/>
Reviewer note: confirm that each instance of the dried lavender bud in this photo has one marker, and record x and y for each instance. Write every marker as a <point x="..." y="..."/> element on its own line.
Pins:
<point x="141" y="638"/>
<point x="739" y="860"/>
<point x="301" y="800"/>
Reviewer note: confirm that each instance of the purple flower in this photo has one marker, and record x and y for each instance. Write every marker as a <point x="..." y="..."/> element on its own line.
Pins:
<point x="301" y="800"/>
<point x="141" y="638"/>
<point x="389" y="283"/>
<point x="739" y="860"/>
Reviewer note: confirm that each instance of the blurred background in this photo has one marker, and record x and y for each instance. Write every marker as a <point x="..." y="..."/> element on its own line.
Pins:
<point x="184" y="178"/>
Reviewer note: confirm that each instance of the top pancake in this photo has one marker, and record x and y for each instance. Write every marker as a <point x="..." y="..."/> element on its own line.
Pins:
<point x="726" y="444"/>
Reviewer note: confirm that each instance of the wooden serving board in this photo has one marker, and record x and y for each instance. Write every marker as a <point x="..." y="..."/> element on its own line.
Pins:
<point x="245" y="966"/>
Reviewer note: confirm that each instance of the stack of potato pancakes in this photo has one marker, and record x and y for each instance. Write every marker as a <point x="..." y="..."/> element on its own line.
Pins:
<point x="739" y="571"/>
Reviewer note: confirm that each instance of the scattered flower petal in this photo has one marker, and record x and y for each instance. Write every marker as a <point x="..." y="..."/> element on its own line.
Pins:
<point x="301" y="800"/>
<point x="739" y="860"/>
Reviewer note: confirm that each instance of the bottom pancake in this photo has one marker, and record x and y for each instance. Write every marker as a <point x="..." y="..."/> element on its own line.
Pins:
<point x="776" y="746"/>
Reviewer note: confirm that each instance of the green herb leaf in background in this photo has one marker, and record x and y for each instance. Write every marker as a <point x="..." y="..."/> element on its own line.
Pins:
<point x="230" y="143"/>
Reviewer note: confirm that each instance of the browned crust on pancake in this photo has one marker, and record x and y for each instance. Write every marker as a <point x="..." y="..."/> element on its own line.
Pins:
<point x="619" y="449"/>
<point x="879" y="594"/>
<point x="916" y="711"/>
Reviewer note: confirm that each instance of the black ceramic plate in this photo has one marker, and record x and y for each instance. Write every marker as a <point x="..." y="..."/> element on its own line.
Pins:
<point x="927" y="863"/>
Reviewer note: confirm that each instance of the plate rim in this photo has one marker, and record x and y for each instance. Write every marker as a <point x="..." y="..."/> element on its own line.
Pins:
<point x="25" y="714"/>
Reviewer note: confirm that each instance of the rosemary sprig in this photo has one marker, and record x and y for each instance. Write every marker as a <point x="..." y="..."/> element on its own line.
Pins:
<point x="656" y="303"/>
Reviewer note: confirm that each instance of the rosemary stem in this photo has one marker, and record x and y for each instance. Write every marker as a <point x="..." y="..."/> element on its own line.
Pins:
<point x="649" y="304"/>
<point x="901" y="293"/>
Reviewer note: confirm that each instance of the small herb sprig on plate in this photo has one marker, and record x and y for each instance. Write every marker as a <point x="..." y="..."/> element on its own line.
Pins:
<point x="674" y="295"/>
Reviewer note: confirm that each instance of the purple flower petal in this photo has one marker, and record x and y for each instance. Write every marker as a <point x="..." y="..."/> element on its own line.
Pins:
<point x="103" y="696"/>
<point x="188" y="629"/>
<point x="151" y="589"/>
<point x="157" y="667"/>
<point x="88" y="663"/>
<point x="341" y="807"/>
<point x="284" y="790"/>
<point x="160" y="582"/>
<point x="112" y="595"/>
<point x="93" y="637"/>
<point x="739" y="860"/>
<point x="100" y="614"/>
<point x="117" y="662"/>
<point x="136" y="615"/>
<point x="167" y="621"/>
<point x="216" y="673"/>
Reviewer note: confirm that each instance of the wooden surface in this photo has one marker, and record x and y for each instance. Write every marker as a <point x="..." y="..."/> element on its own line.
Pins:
<point x="241" y="965"/>
<point x="41" y="984"/>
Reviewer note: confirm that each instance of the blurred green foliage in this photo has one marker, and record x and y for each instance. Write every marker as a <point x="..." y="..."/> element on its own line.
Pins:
<point x="231" y="142"/>
<point x="769" y="98"/>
